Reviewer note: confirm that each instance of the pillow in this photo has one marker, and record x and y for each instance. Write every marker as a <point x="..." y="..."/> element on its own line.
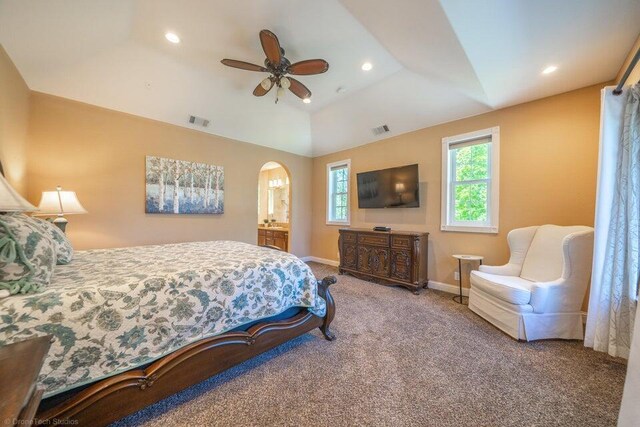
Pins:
<point x="64" y="250"/>
<point x="27" y="255"/>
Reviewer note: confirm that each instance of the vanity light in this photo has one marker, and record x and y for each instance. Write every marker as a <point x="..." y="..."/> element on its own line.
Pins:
<point x="173" y="38"/>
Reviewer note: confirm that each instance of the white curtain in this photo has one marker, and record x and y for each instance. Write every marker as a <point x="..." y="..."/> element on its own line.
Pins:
<point x="614" y="283"/>
<point x="630" y="410"/>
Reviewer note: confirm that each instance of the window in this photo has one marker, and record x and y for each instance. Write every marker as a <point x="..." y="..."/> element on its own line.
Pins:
<point x="470" y="181"/>
<point x="338" y="192"/>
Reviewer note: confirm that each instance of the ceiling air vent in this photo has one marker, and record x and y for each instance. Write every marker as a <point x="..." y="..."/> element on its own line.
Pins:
<point x="380" y="130"/>
<point x="199" y="121"/>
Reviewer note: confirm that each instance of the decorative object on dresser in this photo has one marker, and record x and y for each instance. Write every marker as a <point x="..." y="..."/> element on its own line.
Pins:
<point x="181" y="187"/>
<point x="460" y="258"/>
<point x="60" y="203"/>
<point x="399" y="257"/>
<point x="271" y="236"/>
<point x="20" y="365"/>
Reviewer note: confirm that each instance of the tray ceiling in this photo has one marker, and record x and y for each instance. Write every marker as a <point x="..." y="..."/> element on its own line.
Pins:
<point x="433" y="61"/>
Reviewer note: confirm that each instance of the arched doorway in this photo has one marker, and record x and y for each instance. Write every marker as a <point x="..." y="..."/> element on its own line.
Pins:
<point x="274" y="206"/>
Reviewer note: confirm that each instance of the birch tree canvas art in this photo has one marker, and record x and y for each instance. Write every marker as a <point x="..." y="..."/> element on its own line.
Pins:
<point x="181" y="187"/>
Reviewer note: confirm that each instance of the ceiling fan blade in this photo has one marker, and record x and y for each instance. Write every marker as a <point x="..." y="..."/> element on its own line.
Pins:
<point x="243" y="65"/>
<point x="309" y="67"/>
<point x="271" y="46"/>
<point x="260" y="91"/>
<point x="300" y="90"/>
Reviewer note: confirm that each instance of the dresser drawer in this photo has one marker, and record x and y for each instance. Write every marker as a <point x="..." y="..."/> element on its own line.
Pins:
<point x="401" y="242"/>
<point x="373" y="239"/>
<point x="349" y="237"/>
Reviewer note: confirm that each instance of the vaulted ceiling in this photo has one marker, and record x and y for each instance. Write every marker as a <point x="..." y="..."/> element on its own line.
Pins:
<point x="433" y="60"/>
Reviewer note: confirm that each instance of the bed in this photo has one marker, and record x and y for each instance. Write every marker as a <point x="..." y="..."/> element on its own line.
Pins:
<point x="131" y="326"/>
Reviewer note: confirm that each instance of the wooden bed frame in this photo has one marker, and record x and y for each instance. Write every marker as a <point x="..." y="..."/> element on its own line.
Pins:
<point x="113" y="398"/>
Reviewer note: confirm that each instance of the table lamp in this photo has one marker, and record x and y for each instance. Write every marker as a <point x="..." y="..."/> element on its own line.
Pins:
<point x="60" y="203"/>
<point x="11" y="201"/>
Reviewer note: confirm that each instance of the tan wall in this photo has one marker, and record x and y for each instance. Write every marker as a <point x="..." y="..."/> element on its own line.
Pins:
<point x="14" y="114"/>
<point x="548" y="165"/>
<point x="101" y="155"/>
<point x="634" y="77"/>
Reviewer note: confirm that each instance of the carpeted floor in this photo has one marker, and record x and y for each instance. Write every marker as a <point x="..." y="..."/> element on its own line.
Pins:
<point x="404" y="360"/>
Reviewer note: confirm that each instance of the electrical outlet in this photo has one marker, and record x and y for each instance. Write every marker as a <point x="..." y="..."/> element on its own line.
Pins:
<point x="456" y="275"/>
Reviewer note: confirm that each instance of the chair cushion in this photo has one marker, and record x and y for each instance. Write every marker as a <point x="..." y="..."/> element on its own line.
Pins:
<point x="512" y="289"/>
<point x="545" y="258"/>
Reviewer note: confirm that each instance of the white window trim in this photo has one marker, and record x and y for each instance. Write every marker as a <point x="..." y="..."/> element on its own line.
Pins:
<point x="328" y="200"/>
<point x="494" y="204"/>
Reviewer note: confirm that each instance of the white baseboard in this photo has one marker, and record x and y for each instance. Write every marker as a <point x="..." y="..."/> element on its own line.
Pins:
<point x="445" y="287"/>
<point x="439" y="286"/>
<point x="320" y="260"/>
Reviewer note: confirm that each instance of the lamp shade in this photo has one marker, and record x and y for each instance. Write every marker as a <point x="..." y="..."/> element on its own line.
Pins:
<point x="60" y="203"/>
<point x="11" y="201"/>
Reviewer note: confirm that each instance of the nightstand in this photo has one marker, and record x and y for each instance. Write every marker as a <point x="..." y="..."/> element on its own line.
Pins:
<point x="20" y="365"/>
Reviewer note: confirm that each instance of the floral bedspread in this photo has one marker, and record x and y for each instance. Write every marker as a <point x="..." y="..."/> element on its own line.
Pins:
<point x="111" y="310"/>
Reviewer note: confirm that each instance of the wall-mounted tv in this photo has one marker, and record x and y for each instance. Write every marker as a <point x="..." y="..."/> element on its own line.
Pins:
<point x="389" y="188"/>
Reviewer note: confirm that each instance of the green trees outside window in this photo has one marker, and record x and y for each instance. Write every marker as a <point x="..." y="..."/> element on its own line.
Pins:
<point x="470" y="184"/>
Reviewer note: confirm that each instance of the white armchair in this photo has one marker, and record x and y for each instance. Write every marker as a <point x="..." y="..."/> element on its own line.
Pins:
<point x="538" y="294"/>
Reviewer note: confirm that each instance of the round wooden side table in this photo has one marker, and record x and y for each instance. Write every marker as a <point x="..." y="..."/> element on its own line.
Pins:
<point x="460" y="258"/>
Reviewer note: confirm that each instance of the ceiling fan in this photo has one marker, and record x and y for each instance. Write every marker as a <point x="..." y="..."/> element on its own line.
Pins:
<point x="278" y="66"/>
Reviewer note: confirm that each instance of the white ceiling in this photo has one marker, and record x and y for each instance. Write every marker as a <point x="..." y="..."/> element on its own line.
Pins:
<point x="434" y="61"/>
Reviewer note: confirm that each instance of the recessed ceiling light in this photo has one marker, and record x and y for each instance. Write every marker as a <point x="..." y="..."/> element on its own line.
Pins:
<point x="550" y="69"/>
<point x="173" y="38"/>
<point x="367" y="66"/>
<point x="307" y="100"/>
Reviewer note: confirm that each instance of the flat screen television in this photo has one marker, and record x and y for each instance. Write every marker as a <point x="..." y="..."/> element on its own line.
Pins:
<point x="389" y="188"/>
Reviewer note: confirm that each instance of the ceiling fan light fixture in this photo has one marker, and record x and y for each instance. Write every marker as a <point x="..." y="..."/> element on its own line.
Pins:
<point x="307" y="100"/>
<point x="266" y="83"/>
<point x="279" y="67"/>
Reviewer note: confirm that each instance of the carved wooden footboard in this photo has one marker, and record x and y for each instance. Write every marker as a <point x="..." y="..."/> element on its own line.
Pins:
<point x="113" y="398"/>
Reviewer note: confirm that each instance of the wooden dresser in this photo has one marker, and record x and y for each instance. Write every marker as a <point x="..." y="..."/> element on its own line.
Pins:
<point x="399" y="257"/>
<point x="270" y="237"/>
